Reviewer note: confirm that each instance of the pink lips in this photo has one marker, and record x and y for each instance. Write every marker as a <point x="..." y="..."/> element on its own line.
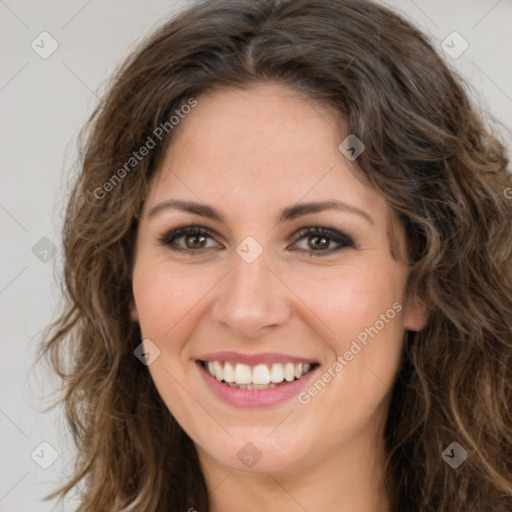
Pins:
<point x="254" y="359"/>
<point x="254" y="398"/>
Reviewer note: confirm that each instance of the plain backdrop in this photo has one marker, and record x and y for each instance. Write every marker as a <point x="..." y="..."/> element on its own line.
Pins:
<point x="43" y="104"/>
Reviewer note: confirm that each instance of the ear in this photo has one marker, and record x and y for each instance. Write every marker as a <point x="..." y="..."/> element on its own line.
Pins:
<point x="416" y="314"/>
<point x="134" y="314"/>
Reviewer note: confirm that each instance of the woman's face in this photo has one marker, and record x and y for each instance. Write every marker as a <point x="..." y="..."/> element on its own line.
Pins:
<point x="292" y="265"/>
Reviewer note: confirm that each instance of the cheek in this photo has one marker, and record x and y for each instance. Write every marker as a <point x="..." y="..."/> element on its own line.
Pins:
<point x="350" y="300"/>
<point x="364" y="312"/>
<point x="162" y="297"/>
<point x="168" y="302"/>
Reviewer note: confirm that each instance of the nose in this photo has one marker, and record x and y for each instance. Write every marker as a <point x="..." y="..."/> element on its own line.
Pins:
<point x="251" y="299"/>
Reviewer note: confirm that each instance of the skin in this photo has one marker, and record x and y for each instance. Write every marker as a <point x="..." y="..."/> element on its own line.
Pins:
<point x="249" y="154"/>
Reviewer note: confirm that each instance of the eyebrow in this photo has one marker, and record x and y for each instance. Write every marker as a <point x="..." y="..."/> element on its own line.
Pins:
<point x="288" y="214"/>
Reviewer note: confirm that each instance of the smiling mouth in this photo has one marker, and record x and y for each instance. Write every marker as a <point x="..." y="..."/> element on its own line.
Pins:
<point x="260" y="376"/>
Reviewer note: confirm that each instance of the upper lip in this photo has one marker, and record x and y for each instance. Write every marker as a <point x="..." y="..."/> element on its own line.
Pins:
<point x="254" y="359"/>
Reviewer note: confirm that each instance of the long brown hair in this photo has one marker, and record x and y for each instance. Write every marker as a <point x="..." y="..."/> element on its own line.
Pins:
<point x="428" y="152"/>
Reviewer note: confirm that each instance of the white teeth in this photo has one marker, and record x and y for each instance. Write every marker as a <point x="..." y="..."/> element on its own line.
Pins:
<point x="250" y="386"/>
<point x="243" y="374"/>
<point x="260" y="374"/>
<point x="289" y="371"/>
<point x="219" y="372"/>
<point x="277" y="373"/>
<point x="229" y="372"/>
<point x="261" y="386"/>
<point x="258" y="377"/>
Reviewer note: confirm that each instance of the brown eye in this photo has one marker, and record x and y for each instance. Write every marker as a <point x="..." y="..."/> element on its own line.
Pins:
<point x="195" y="241"/>
<point x="193" y="238"/>
<point x="318" y="243"/>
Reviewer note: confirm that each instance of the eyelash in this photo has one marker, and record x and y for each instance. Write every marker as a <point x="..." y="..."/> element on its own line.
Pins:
<point x="344" y="241"/>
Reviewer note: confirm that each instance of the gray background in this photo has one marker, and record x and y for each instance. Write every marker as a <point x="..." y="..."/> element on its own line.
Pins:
<point x="43" y="104"/>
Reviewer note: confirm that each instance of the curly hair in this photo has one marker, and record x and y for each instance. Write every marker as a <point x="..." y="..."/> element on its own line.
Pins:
<point x="429" y="153"/>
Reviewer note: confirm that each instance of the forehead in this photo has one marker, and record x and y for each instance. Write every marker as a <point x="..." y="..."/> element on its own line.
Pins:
<point x="264" y="145"/>
<point x="261" y="123"/>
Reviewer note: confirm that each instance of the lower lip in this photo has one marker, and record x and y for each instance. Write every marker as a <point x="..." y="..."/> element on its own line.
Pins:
<point x="252" y="398"/>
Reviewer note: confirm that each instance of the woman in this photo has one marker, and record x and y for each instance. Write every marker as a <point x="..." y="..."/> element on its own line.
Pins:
<point x="287" y="263"/>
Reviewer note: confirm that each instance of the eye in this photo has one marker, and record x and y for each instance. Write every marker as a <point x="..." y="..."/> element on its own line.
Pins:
<point x="315" y="240"/>
<point x="322" y="241"/>
<point x="188" y="238"/>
